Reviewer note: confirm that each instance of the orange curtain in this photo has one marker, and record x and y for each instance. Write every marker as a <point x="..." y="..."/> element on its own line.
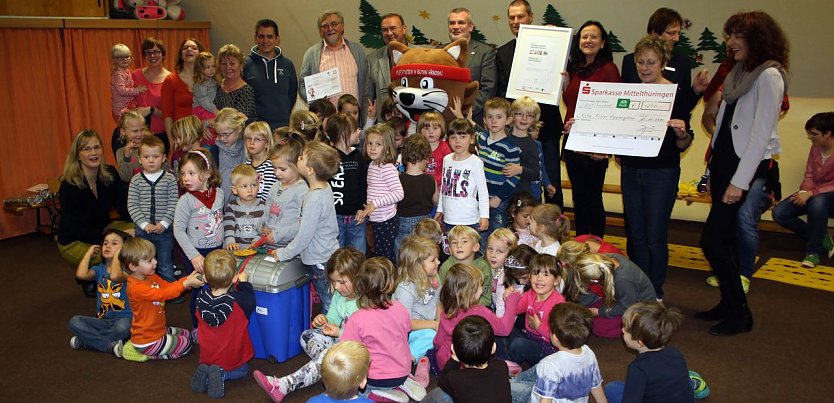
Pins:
<point x="57" y="82"/>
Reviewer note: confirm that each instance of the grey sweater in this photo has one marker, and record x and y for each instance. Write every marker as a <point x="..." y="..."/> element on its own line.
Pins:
<point x="197" y="226"/>
<point x="242" y="223"/>
<point x="283" y="211"/>
<point x="152" y="202"/>
<point x="318" y="230"/>
<point x="630" y="287"/>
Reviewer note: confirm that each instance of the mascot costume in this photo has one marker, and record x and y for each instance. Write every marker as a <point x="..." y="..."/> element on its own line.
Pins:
<point x="425" y="80"/>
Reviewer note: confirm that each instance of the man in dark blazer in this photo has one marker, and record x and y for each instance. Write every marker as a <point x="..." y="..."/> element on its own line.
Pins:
<point x="519" y="12"/>
<point x="481" y="60"/>
<point x="379" y="62"/>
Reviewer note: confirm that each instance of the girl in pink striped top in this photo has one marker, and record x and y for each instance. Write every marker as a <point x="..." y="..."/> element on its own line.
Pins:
<point x="384" y="189"/>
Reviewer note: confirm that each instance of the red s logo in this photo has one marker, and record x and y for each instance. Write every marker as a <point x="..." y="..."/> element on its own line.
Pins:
<point x="586" y="89"/>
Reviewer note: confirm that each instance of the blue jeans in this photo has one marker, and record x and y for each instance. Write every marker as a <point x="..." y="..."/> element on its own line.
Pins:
<point x="614" y="391"/>
<point x="100" y="334"/>
<point x="351" y="233"/>
<point x="749" y="214"/>
<point x="322" y="284"/>
<point x="521" y="387"/>
<point x="236" y="373"/>
<point x="648" y="198"/>
<point x="407" y="225"/>
<point x="525" y="349"/>
<point x="818" y="209"/>
<point x="437" y="395"/>
<point x="164" y="244"/>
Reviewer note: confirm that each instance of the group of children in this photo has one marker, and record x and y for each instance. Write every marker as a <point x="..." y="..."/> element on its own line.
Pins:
<point x="437" y="295"/>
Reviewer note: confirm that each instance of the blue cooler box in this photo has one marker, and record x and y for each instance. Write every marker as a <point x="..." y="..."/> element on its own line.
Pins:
<point x="282" y="312"/>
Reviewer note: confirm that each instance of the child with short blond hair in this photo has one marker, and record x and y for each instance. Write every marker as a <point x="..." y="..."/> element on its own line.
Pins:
<point x="525" y="113"/>
<point x="152" y="201"/>
<point x="318" y="230"/>
<point x="344" y="371"/>
<point x="223" y="312"/>
<point x="147" y="293"/>
<point x="464" y="244"/>
<point x="123" y="91"/>
<point x="499" y="245"/>
<point x="243" y="216"/>
<point x="132" y="130"/>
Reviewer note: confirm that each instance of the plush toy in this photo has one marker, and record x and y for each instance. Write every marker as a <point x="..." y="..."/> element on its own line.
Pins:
<point x="423" y="79"/>
<point x="149" y="9"/>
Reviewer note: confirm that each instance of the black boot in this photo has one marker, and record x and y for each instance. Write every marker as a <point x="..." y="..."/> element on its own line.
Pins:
<point x="740" y="321"/>
<point x="716" y="313"/>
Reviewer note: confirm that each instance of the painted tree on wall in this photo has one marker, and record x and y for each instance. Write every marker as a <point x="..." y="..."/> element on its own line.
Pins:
<point x="707" y="41"/>
<point x="369" y="23"/>
<point x="418" y="38"/>
<point x="720" y="53"/>
<point x="552" y="17"/>
<point x="685" y="47"/>
<point x="614" y="42"/>
<point x="478" y="35"/>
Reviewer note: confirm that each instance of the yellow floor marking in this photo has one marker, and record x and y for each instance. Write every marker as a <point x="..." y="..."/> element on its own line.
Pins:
<point x="792" y="272"/>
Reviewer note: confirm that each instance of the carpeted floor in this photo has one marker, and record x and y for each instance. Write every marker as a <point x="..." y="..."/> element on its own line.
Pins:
<point x="783" y="359"/>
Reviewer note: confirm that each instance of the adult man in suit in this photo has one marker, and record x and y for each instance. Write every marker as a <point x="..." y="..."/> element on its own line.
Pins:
<point x="335" y="51"/>
<point x="519" y="12"/>
<point x="379" y="62"/>
<point x="481" y="60"/>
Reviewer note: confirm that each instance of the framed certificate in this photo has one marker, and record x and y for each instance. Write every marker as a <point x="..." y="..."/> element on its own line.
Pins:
<point x="541" y="55"/>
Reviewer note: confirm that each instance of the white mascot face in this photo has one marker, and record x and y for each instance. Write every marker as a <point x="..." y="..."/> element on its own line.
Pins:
<point x="414" y="101"/>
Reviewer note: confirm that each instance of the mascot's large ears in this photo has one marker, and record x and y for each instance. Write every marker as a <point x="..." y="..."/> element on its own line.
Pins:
<point x="426" y="79"/>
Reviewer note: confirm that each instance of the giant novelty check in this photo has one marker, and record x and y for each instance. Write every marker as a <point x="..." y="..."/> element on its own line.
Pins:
<point x="621" y="119"/>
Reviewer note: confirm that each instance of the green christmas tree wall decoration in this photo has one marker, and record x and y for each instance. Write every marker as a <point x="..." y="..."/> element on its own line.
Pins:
<point x="614" y="42"/>
<point x="707" y="41"/>
<point x="720" y="53"/>
<point x="478" y="35"/>
<point x="418" y="38"/>
<point x="552" y="17"/>
<point x="369" y="23"/>
<point x="685" y="47"/>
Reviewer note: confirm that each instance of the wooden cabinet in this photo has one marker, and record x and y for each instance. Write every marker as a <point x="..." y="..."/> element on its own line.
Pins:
<point x="54" y="8"/>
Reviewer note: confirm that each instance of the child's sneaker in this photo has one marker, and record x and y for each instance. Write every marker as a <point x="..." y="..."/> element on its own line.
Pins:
<point x="76" y="343"/>
<point x="413" y="389"/>
<point x="215" y="385"/>
<point x="514" y="368"/>
<point x="699" y="385"/>
<point x="421" y="373"/>
<point x="270" y="385"/>
<point x="745" y="284"/>
<point x="811" y="260"/>
<point x="198" y="381"/>
<point x="118" y="347"/>
<point x="712" y="281"/>
<point x="388" y="395"/>
<point x="129" y="353"/>
<point x="828" y="244"/>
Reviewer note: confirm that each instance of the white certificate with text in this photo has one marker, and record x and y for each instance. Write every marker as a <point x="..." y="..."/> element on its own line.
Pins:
<point x="323" y="84"/>
<point x="541" y="54"/>
<point x="621" y="119"/>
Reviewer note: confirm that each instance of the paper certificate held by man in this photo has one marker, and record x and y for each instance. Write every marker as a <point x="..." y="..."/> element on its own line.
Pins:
<point x="621" y="119"/>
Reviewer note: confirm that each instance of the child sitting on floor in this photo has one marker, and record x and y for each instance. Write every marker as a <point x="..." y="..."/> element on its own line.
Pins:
<point x="111" y="325"/>
<point x="569" y="374"/>
<point x="473" y="375"/>
<point x="659" y="373"/>
<point x="344" y="371"/>
<point x="464" y="244"/>
<point x="223" y="313"/>
<point x="147" y="293"/>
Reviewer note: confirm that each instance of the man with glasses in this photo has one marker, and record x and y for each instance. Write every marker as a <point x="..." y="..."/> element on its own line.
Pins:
<point x="336" y="51"/>
<point x="271" y="75"/>
<point x="481" y="59"/>
<point x="379" y="62"/>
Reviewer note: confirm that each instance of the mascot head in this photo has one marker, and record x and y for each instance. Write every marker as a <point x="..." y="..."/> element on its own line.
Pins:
<point x="425" y="80"/>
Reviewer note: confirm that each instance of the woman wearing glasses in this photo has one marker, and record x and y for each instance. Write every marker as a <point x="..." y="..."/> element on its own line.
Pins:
<point x="89" y="191"/>
<point x="151" y="76"/>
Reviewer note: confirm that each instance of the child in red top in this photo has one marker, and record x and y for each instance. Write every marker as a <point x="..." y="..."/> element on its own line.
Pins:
<point x="223" y="325"/>
<point x="147" y="293"/>
<point x="432" y="126"/>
